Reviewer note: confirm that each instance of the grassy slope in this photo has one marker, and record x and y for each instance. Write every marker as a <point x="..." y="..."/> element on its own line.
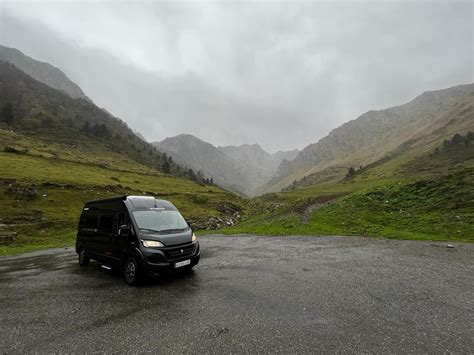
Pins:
<point x="439" y="115"/>
<point x="414" y="195"/>
<point x="67" y="175"/>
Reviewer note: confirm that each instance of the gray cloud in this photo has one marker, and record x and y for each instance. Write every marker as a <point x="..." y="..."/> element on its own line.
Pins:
<point x="280" y="74"/>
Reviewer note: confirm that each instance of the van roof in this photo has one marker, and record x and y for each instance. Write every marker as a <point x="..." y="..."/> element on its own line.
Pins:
<point x="120" y="198"/>
<point x="138" y="202"/>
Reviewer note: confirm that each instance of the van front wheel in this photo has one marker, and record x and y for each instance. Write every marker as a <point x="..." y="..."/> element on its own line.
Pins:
<point x="83" y="258"/>
<point x="131" y="272"/>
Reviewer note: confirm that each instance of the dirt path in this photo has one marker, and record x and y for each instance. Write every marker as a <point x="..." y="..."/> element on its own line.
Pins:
<point x="320" y="202"/>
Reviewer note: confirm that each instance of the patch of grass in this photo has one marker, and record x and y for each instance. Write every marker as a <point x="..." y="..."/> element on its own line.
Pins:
<point x="429" y="209"/>
<point x="38" y="237"/>
<point x="64" y="179"/>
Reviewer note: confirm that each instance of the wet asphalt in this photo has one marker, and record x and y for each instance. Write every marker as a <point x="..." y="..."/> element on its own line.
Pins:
<point x="249" y="295"/>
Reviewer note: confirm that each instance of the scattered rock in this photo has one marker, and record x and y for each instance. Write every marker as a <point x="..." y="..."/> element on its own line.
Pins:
<point x="449" y="246"/>
<point x="24" y="191"/>
<point x="216" y="222"/>
<point x="228" y="208"/>
<point x="7" y="238"/>
<point x="13" y="150"/>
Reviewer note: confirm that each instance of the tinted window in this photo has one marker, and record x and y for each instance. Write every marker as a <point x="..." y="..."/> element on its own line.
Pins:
<point x="89" y="221"/>
<point x="106" y="223"/>
<point x="123" y="220"/>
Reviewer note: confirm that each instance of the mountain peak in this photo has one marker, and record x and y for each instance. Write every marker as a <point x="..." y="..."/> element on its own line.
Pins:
<point x="243" y="168"/>
<point x="41" y="71"/>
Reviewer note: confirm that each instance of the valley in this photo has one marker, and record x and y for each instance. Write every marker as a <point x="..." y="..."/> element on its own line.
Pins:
<point x="242" y="169"/>
<point x="404" y="173"/>
<point x="411" y="195"/>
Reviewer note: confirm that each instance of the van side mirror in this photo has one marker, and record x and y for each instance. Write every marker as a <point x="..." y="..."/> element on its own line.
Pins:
<point x="190" y="225"/>
<point x="124" y="230"/>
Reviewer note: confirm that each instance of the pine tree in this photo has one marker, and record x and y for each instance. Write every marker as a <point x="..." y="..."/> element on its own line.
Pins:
<point x="86" y="128"/>
<point x="6" y="114"/>
<point x="470" y="136"/>
<point x="191" y="175"/>
<point x="350" y="173"/>
<point x="457" y="139"/>
<point x="166" y="168"/>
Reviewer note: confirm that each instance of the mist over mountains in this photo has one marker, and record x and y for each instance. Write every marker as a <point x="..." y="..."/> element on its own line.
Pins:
<point x="241" y="169"/>
<point x="424" y="122"/>
<point x="287" y="73"/>
<point x="248" y="169"/>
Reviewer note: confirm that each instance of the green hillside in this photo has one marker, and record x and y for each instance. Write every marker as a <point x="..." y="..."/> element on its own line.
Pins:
<point x="38" y="110"/>
<point x="412" y="195"/>
<point x="44" y="185"/>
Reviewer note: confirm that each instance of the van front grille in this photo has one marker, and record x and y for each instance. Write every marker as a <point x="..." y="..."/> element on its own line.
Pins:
<point x="181" y="252"/>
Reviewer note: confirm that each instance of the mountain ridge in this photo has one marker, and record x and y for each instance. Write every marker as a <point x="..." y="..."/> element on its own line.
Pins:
<point x="40" y="109"/>
<point x="370" y="136"/>
<point x="42" y="71"/>
<point x="241" y="169"/>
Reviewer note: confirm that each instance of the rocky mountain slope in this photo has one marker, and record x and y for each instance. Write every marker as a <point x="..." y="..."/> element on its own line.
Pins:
<point x="41" y="71"/>
<point x="376" y="134"/>
<point x="238" y="168"/>
<point x="30" y="106"/>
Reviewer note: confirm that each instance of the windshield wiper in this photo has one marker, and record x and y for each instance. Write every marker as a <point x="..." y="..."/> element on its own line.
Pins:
<point x="150" y="230"/>
<point x="162" y="230"/>
<point x="173" y="230"/>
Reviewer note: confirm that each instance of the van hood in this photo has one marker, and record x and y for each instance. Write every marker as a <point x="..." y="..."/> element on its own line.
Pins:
<point x="171" y="238"/>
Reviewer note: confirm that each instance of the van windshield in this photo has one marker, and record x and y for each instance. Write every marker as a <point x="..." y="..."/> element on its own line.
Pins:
<point x="159" y="220"/>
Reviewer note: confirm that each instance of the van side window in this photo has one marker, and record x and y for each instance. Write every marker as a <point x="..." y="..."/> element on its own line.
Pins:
<point x="106" y="223"/>
<point x="123" y="220"/>
<point x="89" y="222"/>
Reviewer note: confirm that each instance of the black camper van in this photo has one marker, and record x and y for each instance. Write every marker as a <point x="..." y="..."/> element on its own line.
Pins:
<point x="140" y="235"/>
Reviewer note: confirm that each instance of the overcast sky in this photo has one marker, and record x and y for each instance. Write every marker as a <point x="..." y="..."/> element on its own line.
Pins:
<point x="279" y="74"/>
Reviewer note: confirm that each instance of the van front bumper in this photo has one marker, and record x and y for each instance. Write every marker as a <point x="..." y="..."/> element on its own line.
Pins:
<point x="164" y="268"/>
<point x="157" y="262"/>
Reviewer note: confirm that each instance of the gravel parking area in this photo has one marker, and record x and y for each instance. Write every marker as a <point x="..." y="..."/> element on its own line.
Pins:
<point x="249" y="294"/>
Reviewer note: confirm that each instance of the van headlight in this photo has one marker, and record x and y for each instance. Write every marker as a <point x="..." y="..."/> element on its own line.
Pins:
<point x="152" y="243"/>
<point x="193" y="238"/>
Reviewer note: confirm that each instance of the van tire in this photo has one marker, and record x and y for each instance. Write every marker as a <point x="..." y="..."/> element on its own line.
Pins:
<point x="132" y="271"/>
<point x="83" y="258"/>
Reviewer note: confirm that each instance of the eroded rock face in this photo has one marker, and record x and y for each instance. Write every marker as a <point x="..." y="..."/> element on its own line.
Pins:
<point x="23" y="191"/>
<point x="216" y="222"/>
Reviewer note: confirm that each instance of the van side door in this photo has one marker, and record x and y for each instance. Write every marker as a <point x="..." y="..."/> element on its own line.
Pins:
<point x="124" y="241"/>
<point x="88" y="231"/>
<point x="105" y="235"/>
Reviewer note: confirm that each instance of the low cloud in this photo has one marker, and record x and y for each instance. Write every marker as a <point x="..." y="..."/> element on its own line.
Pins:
<point x="280" y="74"/>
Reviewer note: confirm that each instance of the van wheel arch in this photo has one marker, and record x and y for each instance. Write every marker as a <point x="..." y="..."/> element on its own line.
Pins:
<point x="131" y="254"/>
<point x="84" y="259"/>
<point x="132" y="271"/>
